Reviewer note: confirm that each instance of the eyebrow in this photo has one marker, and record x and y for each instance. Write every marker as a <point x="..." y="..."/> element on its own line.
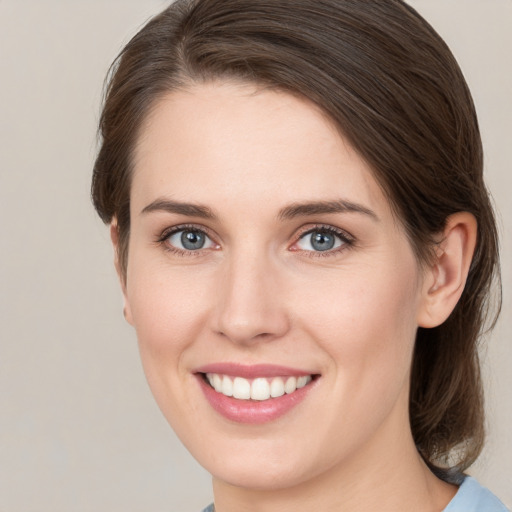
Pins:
<point x="324" y="207"/>
<point x="288" y="212"/>
<point x="188" y="209"/>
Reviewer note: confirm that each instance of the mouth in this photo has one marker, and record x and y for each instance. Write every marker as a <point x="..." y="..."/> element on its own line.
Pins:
<point x="259" y="388"/>
<point x="254" y="394"/>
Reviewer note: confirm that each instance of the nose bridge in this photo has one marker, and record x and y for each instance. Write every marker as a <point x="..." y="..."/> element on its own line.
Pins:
<point x="250" y="301"/>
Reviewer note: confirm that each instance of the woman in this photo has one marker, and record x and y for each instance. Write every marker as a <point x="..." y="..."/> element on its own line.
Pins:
<point x="306" y="248"/>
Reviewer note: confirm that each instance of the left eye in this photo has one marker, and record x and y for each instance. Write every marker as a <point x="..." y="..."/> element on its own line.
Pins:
<point x="190" y="240"/>
<point x="320" y="240"/>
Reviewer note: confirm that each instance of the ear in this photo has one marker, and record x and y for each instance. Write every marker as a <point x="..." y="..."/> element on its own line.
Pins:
<point x="114" y="236"/>
<point x="445" y="278"/>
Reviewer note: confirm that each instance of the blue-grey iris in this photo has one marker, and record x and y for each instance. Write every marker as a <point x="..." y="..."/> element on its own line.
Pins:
<point x="322" y="241"/>
<point x="192" y="240"/>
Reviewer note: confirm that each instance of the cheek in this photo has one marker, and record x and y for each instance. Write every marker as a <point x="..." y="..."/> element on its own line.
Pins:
<point x="366" y="326"/>
<point x="169" y="310"/>
<point x="366" y="323"/>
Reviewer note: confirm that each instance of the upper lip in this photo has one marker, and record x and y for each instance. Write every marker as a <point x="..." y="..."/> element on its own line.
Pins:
<point x="252" y="371"/>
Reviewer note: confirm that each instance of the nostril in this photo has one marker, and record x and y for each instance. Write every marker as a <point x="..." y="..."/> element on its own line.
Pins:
<point x="246" y="335"/>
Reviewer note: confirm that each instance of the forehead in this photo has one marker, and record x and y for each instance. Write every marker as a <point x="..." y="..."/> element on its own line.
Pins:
<point x="237" y="143"/>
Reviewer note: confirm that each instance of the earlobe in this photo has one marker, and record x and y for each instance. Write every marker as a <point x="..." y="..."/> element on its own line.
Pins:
<point x="114" y="236"/>
<point x="446" y="277"/>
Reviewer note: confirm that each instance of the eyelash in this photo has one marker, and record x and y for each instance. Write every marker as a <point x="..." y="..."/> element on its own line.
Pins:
<point x="167" y="233"/>
<point x="347" y="240"/>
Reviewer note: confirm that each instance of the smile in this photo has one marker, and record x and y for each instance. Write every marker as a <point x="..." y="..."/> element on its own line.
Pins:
<point x="260" y="388"/>
<point x="255" y="394"/>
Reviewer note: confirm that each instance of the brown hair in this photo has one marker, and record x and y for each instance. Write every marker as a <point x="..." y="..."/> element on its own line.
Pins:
<point x="396" y="92"/>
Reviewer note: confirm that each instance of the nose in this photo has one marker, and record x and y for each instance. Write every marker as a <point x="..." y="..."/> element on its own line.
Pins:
<point x="250" y="302"/>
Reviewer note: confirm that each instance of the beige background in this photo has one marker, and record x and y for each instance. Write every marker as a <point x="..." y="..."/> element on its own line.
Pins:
<point x="78" y="428"/>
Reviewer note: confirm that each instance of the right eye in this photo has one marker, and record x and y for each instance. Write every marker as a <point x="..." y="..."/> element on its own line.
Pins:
<point x="189" y="240"/>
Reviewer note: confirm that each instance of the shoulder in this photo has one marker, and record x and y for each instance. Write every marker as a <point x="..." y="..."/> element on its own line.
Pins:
<point x="472" y="497"/>
<point x="209" y="508"/>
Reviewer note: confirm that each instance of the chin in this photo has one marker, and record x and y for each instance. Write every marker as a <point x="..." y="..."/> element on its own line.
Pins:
<point x="260" y="476"/>
<point x="258" y="464"/>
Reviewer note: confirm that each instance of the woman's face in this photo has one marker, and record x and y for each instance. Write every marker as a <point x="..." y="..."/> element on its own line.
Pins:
<point x="263" y="255"/>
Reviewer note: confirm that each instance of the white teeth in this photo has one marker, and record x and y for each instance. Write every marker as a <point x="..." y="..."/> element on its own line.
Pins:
<point x="227" y="386"/>
<point x="290" y="385"/>
<point x="241" y="388"/>
<point x="277" y="387"/>
<point x="302" y="381"/>
<point x="217" y="383"/>
<point x="260" y="388"/>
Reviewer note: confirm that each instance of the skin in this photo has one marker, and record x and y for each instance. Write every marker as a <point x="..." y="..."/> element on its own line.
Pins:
<point x="258" y="293"/>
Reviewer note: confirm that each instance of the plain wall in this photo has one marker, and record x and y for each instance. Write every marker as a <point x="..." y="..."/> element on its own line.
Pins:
<point x="79" y="430"/>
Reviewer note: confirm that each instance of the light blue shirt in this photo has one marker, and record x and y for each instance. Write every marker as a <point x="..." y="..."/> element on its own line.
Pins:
<point x="471" y="497"/>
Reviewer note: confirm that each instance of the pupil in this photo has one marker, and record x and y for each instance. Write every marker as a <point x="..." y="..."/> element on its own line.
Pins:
<point x="192" y="240"/>
<point x="322" y="241"/>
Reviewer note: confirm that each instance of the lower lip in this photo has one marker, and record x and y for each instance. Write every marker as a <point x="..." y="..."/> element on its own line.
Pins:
<point x="252" y="411"/>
